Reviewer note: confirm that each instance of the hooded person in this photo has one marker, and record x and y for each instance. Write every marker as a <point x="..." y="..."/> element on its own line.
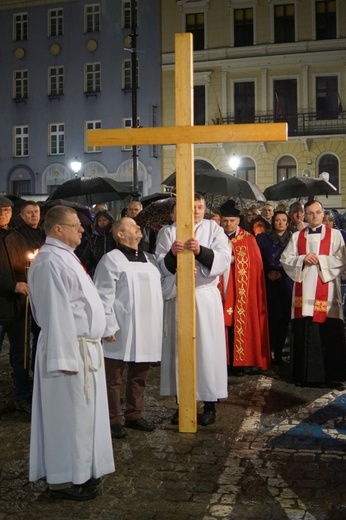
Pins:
<point x="100" y="242"/>
<point x="243" y="292"/>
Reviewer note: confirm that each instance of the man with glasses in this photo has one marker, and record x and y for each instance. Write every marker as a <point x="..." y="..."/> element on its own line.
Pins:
<point x="13" y="293"/>
<point x="70" y="435"/>
<point x="314" y="259"/>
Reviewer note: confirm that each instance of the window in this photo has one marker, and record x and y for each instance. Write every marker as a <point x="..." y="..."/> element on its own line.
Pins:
<point x="93" y="125"/>
<point x="247" y="170"/>
<point x="328" y="103"/>
<point x="243" y="27"/>
<point x="195" y="25"/>
<point x="55" y="22"/>
<point x="329" y="163"/>
<point x="325" y="20"/>
<point x="92" y="18"/>
<point x="56" y="81"/>
<point x="285" y="103"/>
<point x="20" y="84"/>
<point x="286" y="168"/>
<point x="92" y="78"/>
<point x="20" y="26"/>
<point x="244" y="102"/>
<point x="56" y="139"/>
<point x="127" y="123"/>
<point x="284" y="23"/>
<point x="127" y="74"/>
<point x="22" y="187"/>
<point x="21" y="141"/>
<point x="127" y="19"/>
<point x="199" y="105"/>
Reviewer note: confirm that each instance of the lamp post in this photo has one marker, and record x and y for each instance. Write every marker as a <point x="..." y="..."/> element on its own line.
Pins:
<point x="234" y="163"/>
<point x="76" y="166"/>
<point x="130" y="43"/>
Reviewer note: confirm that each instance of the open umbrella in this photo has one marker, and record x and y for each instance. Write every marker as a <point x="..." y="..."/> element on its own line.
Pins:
<point x="299" y="187"/>
<point x="90" y="190"/>
<point x="157" y="214"/>
<point x="148" y="199"/>
<point x="83" y="212"/>
<point x="221" y="183"/>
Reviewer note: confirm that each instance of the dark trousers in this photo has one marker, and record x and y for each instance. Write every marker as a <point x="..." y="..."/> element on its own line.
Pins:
<point x="16" y="334"/>
<point x="137" y="375"/>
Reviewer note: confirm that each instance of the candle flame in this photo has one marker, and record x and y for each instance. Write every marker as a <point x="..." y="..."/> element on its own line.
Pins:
<point x="31" y="256"/>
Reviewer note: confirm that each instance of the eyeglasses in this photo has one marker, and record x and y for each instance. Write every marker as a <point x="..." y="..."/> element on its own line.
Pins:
<point x="76" y="225"/>
<point x="313" y="213"/>
<point x="5" y="210"/>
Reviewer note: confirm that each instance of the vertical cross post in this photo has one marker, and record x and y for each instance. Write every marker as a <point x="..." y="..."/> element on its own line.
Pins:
<point x="185" y="230"/>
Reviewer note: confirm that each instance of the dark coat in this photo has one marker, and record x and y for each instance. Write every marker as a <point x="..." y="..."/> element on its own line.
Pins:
<point x="98" y="244"/>
<point x="13" y="254"/>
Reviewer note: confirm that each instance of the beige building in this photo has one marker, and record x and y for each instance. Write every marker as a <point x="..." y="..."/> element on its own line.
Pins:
<point x="265" y="61"/>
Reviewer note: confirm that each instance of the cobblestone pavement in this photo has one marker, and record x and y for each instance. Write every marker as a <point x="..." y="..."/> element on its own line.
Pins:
<point x="276" y="452"/>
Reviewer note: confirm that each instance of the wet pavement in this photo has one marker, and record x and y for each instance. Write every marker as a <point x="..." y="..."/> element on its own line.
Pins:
<point x="276" y="452"/>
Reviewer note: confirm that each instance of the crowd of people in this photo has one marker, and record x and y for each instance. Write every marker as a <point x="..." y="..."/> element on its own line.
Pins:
<point x="103" y="307"/>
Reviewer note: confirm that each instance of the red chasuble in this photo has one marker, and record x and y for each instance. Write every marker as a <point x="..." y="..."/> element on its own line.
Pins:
<point x="245" y="306"/>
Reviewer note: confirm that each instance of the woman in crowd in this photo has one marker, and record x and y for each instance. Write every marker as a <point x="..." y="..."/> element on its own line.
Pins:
<point x="279" y="286"/>
<point x="100" y="242"/>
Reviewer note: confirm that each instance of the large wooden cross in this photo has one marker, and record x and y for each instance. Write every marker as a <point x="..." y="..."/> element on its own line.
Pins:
<point x="184" y="135"/>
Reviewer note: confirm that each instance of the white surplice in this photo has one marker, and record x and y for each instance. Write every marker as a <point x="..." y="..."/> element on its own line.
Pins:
<point x="329" y="269"/>
<point x="132" y="298"/>
<point x="211" y="363"/>
<point x="70" y="431"/>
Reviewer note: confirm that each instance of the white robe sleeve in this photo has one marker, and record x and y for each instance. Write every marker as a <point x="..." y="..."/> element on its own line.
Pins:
<point x="291" y="261"/>
<point x="105" y="278"/>
<point x="54" y="315"/>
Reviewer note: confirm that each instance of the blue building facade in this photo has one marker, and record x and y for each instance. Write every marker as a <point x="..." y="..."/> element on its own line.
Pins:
<point x="65" y="67"/>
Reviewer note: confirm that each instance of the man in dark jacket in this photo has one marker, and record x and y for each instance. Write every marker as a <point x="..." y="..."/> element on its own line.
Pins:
<point x="34" y="237"/>
<point x="13" y="293"/>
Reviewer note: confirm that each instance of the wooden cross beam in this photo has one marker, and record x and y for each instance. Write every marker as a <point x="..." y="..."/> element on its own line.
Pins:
<point x="184" y="135"/>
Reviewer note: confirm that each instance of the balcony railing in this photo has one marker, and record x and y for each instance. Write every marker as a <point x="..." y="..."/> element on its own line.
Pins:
<point x="299" y="124"/>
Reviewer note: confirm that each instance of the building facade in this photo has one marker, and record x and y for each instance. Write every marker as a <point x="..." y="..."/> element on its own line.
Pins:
<point x="66" y="67"/>
<point x="265" y="61"/>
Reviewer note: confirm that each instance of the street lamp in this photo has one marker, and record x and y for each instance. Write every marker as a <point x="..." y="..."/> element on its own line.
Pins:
<point x="234" y="162"/>
<point x="76" y="166"/>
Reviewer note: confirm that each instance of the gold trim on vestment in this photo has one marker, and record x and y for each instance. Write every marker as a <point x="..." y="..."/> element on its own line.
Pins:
<point x="242" y="267"/>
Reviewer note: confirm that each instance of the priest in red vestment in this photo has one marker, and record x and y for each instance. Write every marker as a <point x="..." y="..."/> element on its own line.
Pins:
<point x="244" y="296"/>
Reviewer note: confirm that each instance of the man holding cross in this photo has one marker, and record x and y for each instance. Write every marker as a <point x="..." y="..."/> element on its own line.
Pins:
<point x="212" y="257"/>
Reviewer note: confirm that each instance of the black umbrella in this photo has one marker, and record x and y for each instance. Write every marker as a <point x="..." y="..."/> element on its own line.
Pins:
<point x="90" y="190"/>
<point x="83" y="212"/>
<point x="299" y="187"/>
<point x="221" y="183"/>
<point x="148" y="199"/>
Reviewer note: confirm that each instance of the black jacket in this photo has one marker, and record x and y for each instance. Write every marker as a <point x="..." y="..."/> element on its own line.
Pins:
<point x="13" y="253"/>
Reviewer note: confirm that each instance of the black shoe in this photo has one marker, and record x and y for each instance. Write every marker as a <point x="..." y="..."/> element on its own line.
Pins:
<point x="140" y="424"/>
<point x="209" y="414"/>
<point x="78" y="493"/>
<point x="92" y="482"/>
<point x="175" y="418"/>
<point x="118" y="431"/>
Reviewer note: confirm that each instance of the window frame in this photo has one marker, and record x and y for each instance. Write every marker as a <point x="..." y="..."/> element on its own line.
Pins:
<point x="127" y="123"/>
<point x="93" y="76"/>
<point x="127" y="74"/>
<point x="59" y="20"/>
<point x="20" y="83"/>
<point x="20" y="26"/>
<point x="94" y="17"/>
<point x="60" y="88"/>
<point x="95" y="124"/>
<point x="126" y="19"/>
<point x="59" y="134"/>
<point x="21" y="141"/>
